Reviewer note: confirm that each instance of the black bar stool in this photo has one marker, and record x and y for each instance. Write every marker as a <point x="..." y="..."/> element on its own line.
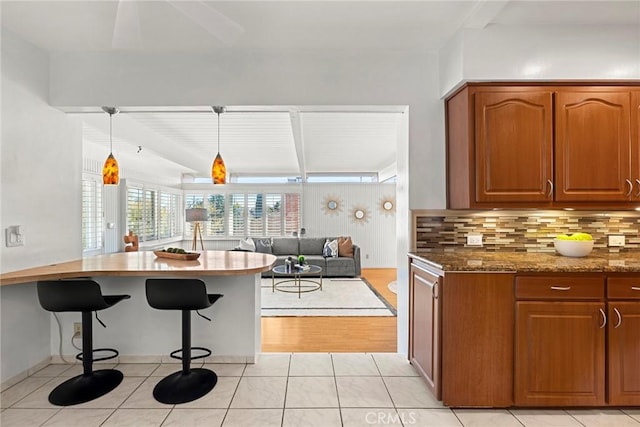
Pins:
<point x="84" y="296"/>
<point x="186" y="295"/>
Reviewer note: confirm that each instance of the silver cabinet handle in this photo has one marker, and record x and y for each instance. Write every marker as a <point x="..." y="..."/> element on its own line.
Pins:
<point x="561" y="288"/>
<point x="433" y="290"/>
<point x="638" y="184"/>
<point x="635" y="288"/>
<point x="619" y="322"/>
<point x="550" y="193"/>
<point x="604" y="318"/>
<point x="630" y="184"/>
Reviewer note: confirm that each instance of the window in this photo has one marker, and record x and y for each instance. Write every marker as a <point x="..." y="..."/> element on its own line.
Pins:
<point x="168" y="215"/>
<point x="216" y="212"/>
<point x="91" y="212"/>
<point x="237" y="215"/>
<point x="345" y="177"/>
<point x="153" y="214"/>
<point x="248" y="214"/>
<point x="135" y="211"/>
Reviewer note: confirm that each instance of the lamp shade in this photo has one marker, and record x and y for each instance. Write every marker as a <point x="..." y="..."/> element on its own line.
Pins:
<point x="196" y="214"/>
<point x="218" y="170"/>
<point x="110" y="175"/>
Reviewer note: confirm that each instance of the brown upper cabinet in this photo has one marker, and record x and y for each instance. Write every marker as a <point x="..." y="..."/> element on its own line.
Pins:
<point x="543" y="146"/>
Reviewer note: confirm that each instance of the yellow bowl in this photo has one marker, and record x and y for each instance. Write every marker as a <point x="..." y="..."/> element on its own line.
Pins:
<point x="573" y="248"/>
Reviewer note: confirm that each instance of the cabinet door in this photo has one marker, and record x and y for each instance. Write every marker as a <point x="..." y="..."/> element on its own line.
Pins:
<point x="477" y="339"/>
<point x="635" y="143"/>
<point x="593" y="145"/>
<point x="624" y="353"/>
<point x="559" y="353"/>
<point x="424" y="318"/>
<point x="514" y="146"/>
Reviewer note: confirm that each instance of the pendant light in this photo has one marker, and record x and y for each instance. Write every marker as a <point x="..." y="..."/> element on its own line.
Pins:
<point x="110" y="171"/>
<point x="218" y="169"/>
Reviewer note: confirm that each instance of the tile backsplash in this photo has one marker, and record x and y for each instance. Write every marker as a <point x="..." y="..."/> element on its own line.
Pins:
<point x="521" y="231"/>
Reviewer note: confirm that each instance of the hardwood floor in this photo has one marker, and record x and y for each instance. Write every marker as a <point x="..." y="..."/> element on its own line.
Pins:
<point x="336" y="334"/>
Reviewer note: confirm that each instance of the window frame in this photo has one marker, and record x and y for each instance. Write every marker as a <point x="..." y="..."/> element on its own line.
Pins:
<point x="244" y="197"/>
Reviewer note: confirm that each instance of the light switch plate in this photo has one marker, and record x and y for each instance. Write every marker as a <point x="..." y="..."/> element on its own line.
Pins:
<point x="616" y="240"/>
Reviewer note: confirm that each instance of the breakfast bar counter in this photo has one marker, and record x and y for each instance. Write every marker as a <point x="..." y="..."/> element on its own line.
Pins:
<point x="145" y="263"/>
<point x="141" y="333"/>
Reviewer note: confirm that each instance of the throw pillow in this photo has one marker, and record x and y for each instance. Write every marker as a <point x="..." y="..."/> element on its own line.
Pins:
<point x="247" y="244"/>
<point x="345" y="246"/>
<point x="263" y="246"/>
<point x="330" y="249"/>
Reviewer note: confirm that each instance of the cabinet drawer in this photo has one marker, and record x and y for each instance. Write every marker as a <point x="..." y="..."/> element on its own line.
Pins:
<point x="560" y="287"/>
<point x="623" y="287"/>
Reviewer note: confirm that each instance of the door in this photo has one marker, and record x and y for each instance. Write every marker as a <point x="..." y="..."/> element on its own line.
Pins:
<point x="593" y="145"/>
<point x="424" y="318"/>
<point x="635" y="143"/>
<point x="559" y="356"/>
<point x="624" y="353"/>
<point x="514" y="146"/>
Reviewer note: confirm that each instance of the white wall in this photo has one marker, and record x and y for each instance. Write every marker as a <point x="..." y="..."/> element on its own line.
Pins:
<point x="577" y="52"/>
<point x="376" y="237"/>
<point x="40" y="152"/>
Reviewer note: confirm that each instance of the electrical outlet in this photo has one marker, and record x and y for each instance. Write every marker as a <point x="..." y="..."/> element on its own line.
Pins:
<point x="616" y="240"/>
<point x="77" y="328"/>
<point x="474" y="239"/>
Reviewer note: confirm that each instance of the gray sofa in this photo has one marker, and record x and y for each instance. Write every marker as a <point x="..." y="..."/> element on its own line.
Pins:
<point x="311" y="248"/>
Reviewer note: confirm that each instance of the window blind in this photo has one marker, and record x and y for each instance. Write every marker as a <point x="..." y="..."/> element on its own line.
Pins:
<point x="91" y="213"/>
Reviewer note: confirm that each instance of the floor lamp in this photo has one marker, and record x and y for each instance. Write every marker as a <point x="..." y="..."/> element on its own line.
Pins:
<point x="196" y="215"/>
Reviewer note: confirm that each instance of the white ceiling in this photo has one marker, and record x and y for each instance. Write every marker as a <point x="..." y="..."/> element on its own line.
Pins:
<point x="276" y="140"/>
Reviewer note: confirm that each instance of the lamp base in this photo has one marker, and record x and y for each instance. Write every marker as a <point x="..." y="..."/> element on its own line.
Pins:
<point x="197" y="232"/>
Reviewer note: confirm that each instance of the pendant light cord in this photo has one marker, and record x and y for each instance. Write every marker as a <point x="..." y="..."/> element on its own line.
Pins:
<point x="110" y="133"/>
<point x="218" y="132"/>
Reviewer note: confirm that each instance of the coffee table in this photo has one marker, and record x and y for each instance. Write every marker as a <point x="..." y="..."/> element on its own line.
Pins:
<point x="297" y="276"/>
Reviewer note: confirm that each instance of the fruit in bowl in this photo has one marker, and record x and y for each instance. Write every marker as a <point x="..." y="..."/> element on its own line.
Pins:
<point x="576" y="245"/>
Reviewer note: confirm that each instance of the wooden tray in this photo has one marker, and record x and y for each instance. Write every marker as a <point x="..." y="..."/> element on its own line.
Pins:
<point x="184" y="257"/>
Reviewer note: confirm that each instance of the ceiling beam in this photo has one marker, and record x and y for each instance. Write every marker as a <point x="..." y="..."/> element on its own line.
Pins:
<point x="298" y="142"/>
<point x="483" y="12"/>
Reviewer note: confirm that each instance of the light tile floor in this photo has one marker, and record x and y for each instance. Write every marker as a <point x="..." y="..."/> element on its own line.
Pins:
<point x="281" y="390"/>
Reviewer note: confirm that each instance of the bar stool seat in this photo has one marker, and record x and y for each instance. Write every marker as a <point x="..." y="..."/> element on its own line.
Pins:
<point x="83" y="296"/>
<point x="185" y="295"/>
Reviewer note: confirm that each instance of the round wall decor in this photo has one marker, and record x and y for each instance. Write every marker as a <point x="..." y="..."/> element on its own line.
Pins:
<point x="331" y="205"/>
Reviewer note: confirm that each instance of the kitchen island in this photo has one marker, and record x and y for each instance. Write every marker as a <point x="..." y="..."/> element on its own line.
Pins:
<point x="502" y="329"/>
<point x="139" y="332"/>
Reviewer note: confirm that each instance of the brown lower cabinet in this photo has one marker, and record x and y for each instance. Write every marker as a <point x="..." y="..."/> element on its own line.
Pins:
<point x="485" y="339"/>
<point x="461" y="335"/>
<point x="424" y="350"/>
<point x="560" y="353"/>
<point x="623" y="309"/>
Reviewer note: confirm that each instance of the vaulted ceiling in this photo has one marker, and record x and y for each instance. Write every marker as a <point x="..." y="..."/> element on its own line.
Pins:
<point x="270" y="140"/>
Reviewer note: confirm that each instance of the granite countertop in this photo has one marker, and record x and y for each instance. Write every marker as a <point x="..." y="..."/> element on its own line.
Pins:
<point x="532" y="262"/>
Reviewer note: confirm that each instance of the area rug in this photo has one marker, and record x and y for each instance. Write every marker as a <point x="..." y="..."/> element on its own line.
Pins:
<point x="338" y="297"/>
<point x="393" y="286"/>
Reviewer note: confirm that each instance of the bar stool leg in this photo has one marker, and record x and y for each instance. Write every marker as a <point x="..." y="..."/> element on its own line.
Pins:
<point x="91" y="384"/>
<point x="186" y="341"/>
<point x="188" y="384"/>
